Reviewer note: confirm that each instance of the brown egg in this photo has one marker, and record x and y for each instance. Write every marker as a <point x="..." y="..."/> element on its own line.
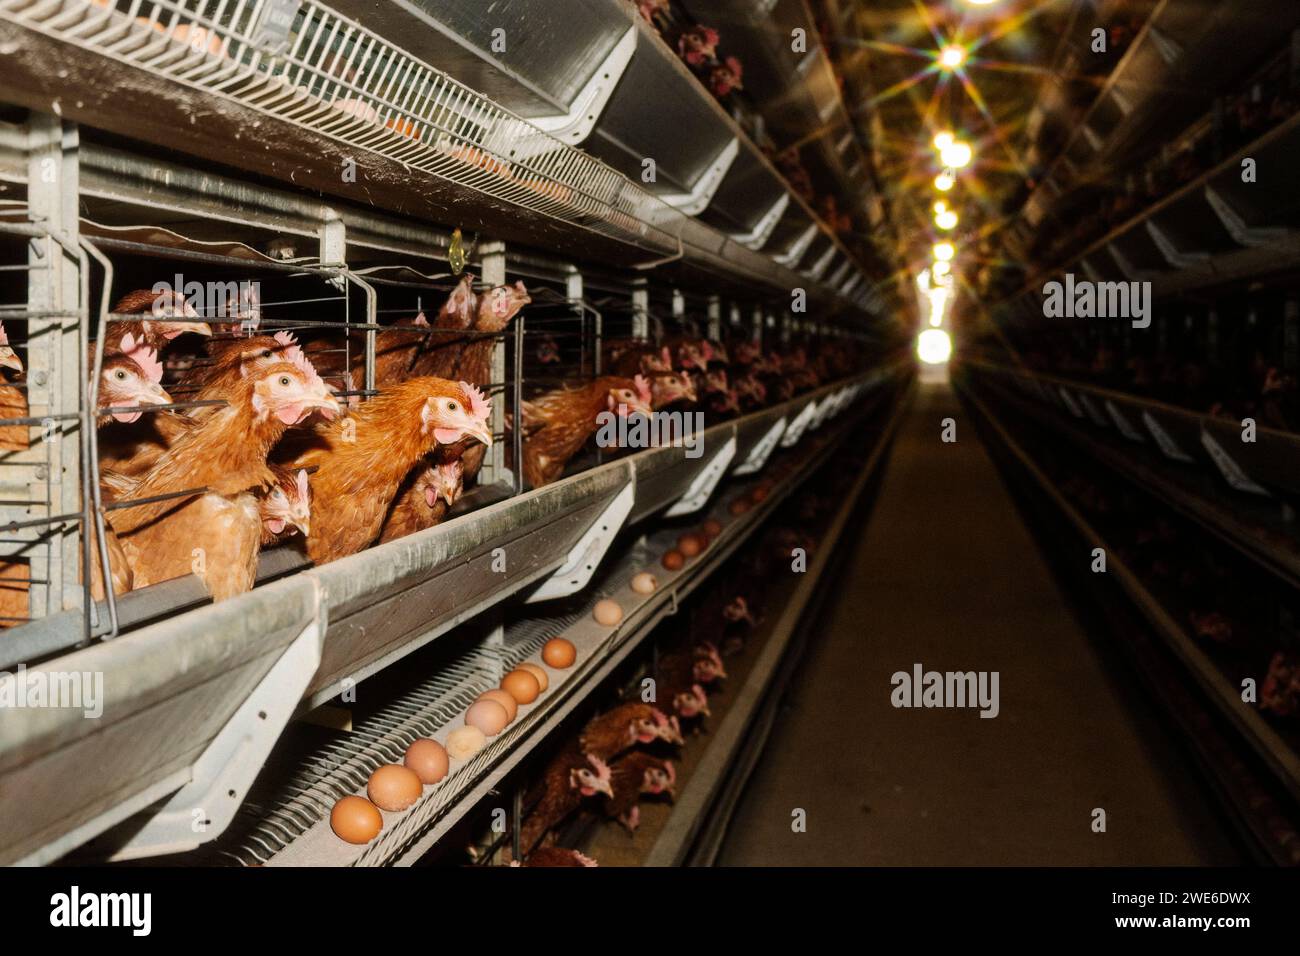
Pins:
<point x="672" y="560"/>
<point x="739" y="506"/>
<point x="537" y="671"/>
<point x="690" y="544"/>
<point x="393" y="787"/>
<point x="759" y="494"/>
<point x="712" y="527"/>
<point x="606" y="612"/>
<point x="505" y="700"/>
<point x="522" y="686"/>
<point x="644" y="583"/>
<point x="560" y="653"/>
<point x="356" y="820"/>
<point x="465" y="742"/>
<point x="488" y="716"/>
<point x="428" y="759"/>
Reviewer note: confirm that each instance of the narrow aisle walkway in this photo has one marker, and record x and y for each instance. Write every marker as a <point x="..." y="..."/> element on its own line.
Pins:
<point x="947" y="576"/>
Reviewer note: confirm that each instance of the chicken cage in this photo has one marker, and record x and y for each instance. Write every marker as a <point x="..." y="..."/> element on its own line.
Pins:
<point x="323" y="247"/>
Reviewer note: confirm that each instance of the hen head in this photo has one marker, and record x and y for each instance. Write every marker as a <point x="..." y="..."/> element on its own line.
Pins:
<point x="671" y="387"/>
<point x="737" y="610"/>
<point x="708" y="665"/>
<point x="659" y="777"/>
<point x="443" y="482"/>
<point x="655" y="726"/>
<point x="287" y="503"/>
<point x="691" y="703"/>
<point x="163" y="308"/>
<point x="8" y="357"/>
<point x="715" y="381"/>
<point x="498" y="306"/>
<point x="593" y="780"/>
<point x="128" y="381"/>
<point x="260" y="351"/>
<point x="458" y="311"/>
<point x="628" y="401"/>
<point x="290" y="391"/>
<point x="453" y="411"/>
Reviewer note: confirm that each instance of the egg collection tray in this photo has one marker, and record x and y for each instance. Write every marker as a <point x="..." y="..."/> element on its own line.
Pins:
<point x="285" y="821"/>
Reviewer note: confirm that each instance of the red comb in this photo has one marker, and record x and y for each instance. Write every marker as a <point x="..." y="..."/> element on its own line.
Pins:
<point x="147" y="359"/>
<point x="479" y="406"/>
<point x="643" y="388"/>
<point x="602" y="768"/>
<point x="294" y="355"/>
<point x="4" y="336"/>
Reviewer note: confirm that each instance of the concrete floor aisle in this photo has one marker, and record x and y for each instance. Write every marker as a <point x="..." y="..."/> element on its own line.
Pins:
<point x="946" y="575"/>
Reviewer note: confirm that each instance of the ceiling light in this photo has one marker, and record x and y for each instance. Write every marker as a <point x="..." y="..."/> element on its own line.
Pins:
<point x="946" y="220"/>
<point x="980" y="3"/>
<point x="956" y="155"/>
<point x="944" y="251"/>
<point x="940" y="207"/>
<point x="945" y="181"/>
<point x="952" y="57"/>
<point x="933" y="346"/>
<point x="941" y="269"/>
<point x="943" y="140"/>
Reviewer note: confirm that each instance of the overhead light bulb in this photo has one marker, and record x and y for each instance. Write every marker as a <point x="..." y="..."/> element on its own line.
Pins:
<point x="923" y="280"/>
<point x="940" y="207"/>
<point x="956" y="155"/>
<point x="944" y="139"/>
<point x="946" y="220"/>
<point x="933" y="346"/>
<point x="944" y="251"/>
<point x="945" y="181"/>
<point x="952" y="57"/>
<point x="980" y="3"/>
<point x="941" y="268"/>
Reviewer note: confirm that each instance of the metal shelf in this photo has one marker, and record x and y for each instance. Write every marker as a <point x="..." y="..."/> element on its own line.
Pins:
<point x="285" y="822"/>
<point x="1167" y="450"/>
<point x="1190" y="47"/>
<point x="1276" y="753"/>
<point x="173" y="687"/>
<point x="580" y="69"/>
<point x="322" y="92"/>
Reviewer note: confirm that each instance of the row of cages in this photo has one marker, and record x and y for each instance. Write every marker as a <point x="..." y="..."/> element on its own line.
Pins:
<point x="110" y="380"/>
<point x="1219" y="638"/>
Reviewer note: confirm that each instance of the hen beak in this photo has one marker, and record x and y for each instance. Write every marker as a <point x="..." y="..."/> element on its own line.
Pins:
<point x="327" y="405"/>
<point x="604" y="786"/>
<point x="482" y="432"/>
<point x="174" y="329"/>
<point x="304" y="526"/>
<point x="9" y="359"/>
<point x="152" y="395"/>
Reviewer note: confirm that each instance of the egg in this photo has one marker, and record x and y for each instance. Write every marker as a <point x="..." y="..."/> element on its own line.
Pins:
<point x="561" y="653"/>
<point x="505" y="700"/>
<point x="712" y="527"/>
<point x="690" y="544"/>
<point x="759" y="494"/>
<point x="465" y="742"/>
<point x="393" y="787"/>
<point x="644" y="583"/>
<point x="488" y="716"/>
<point x="537" y="671"/>
<point x="672" y="560"/>
<point x="522" y="686"/>
<point x="739" y="506"/>
<point x="607" y="612"/>
<point x="428" y="759"/>
<point x="356" y="820"/>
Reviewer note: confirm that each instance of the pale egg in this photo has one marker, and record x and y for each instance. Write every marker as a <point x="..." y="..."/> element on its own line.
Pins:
<point x="644" y="583"/>
<point x="465" y="742"/>
<point x="607" y="612"/>
<point x="505" y="700"/>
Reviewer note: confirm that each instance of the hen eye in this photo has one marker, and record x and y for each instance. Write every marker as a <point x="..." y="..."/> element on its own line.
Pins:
<point x="284" y="380"/>
<point x="451" y="406"/>
<point x="120" y="375"/>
